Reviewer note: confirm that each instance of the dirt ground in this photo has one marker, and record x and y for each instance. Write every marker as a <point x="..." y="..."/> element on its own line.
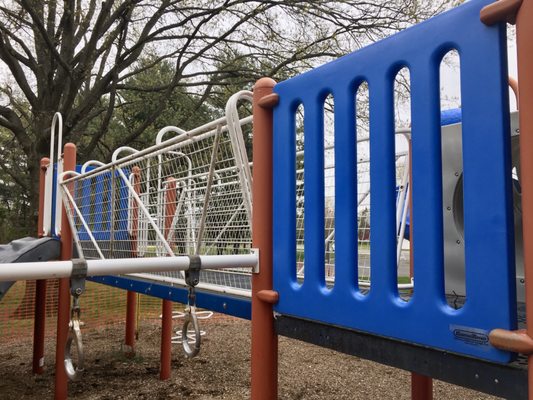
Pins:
<point x="221" y="371"/>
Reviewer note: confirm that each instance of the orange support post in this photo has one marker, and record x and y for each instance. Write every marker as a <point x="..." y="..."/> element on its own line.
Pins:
<point x="131" y="297"/>
<point x="421" y="387"/>
<point x="264" y="338"/>
<point x="63" y="306"/>
<point x="166" y="340"/>
<point x="166" y="325"/>
<point x="524" y="44"/>
<point x="40" y="286"/>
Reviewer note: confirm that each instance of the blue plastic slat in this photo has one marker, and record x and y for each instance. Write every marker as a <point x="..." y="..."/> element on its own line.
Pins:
<point x="426" y="319"/>
<point x="96" y="215"/>
<point x="285" y="170"/>
<point x="345" y="203"/>
<point x="426" y="172"/>
<point x="487" y="183"/>
<point x="100" y="185"/>
<point x="382" y="185"/>
<point x="121" y="231"/>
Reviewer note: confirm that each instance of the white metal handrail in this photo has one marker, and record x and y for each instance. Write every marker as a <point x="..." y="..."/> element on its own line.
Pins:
<point x="50" y="184"/>
<point x="63" y="269"/>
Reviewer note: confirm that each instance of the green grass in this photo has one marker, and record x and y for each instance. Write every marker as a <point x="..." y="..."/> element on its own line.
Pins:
<point x="404" y="279"/>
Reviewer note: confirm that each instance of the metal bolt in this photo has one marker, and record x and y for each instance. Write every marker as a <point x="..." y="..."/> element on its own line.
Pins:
<point x="522" y="280"/>
<point x="448" y="208"/>
<point x="496" y="381"/>
<point x="476" y="376"/>
<point x="224" y="306"/>
<point x="458" y="241"/>
<point x="78" y="291"/>
<point x="457" y="174"/>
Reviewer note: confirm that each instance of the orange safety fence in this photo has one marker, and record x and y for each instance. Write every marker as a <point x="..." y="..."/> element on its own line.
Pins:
<point x="101" y="306"/>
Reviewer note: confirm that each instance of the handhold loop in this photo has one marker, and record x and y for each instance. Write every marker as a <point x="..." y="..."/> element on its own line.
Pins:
<point x="192" y="277"/>
<point x="191" y="317"/>
<point x="74" y="336"/>
<point x="77" y="287"/>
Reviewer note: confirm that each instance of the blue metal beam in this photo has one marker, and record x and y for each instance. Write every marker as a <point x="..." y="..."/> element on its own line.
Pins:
<point x="225" y="304"/>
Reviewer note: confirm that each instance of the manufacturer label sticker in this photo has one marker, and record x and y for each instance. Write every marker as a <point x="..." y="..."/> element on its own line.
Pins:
<point x="473" y="336"/>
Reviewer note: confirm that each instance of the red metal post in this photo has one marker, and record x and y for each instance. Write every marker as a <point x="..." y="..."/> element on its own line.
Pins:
<point x="264" y="339"/>
<point x="131" y="297"/>
<point x="63" y="306"/>
<point x="524" y="44"/>
<point x="166" y="325"/>
<point x="40" y="286"/>
<point x="421" y="387"/>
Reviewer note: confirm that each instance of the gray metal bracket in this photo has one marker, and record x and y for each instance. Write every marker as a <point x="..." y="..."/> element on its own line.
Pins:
<point x="78" y="276"/>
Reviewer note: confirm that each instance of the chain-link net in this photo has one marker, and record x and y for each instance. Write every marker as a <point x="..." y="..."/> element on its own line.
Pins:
<point x="184" y="197"/>
<point x="363" y="212"/>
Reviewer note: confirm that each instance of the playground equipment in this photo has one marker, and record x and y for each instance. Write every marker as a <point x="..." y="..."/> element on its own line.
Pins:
<point x="184" y="205"/>
<point x="452" y="175"/>
<point x="27" y="250"/>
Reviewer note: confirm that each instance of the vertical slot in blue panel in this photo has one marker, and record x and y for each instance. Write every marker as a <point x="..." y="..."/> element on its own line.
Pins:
<point x="426" y="319"/>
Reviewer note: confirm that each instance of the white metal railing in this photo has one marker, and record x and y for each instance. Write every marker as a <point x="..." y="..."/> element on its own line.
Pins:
<point x="52" y="185"/>
<point x="64" y="269"/>
<point x="208" y="213"/>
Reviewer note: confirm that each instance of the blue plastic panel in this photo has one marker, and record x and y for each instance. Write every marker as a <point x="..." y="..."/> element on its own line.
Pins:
<point x="489" y="252"/>
<point x="449" y="117"/>
<point x="98" y="218"/>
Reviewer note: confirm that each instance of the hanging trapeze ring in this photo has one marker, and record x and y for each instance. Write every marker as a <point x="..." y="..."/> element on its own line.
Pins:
<point x="74" y="335"/>
<point x="191" y="317"/>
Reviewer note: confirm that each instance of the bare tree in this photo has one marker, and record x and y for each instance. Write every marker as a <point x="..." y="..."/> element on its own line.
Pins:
<point x="78" y="57"/>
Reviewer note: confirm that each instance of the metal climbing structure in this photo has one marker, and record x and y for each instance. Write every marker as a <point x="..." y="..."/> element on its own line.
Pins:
<point x="187" y="195"/>
<point x="191" y="195"/>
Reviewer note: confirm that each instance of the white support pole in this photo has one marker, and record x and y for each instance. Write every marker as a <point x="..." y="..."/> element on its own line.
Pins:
<point x="63" y="269"/>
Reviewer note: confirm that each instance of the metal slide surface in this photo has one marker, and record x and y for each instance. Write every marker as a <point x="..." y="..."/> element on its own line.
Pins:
<point x="27" y="249"/>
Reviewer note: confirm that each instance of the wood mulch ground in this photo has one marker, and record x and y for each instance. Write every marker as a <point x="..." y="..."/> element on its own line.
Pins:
<point x="221" y="371"/>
